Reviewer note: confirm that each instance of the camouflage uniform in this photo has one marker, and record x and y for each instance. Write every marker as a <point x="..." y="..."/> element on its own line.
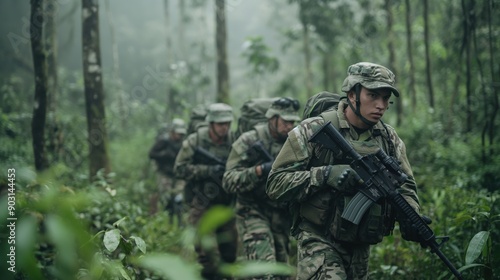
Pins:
<point x="298" y="176"/>
<point x="263" y="224"/>
<point x="164" y="152"/>
<point x="205" y="188"/>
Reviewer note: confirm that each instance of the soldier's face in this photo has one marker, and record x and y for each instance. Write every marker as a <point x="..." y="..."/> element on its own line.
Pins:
<point x="374" y="103"/>
<point x="221" y="129"/>
<point x="283" y="127"/>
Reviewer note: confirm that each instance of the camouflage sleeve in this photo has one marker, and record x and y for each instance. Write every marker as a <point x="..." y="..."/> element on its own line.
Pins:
<point x="409" y="188"/>
<point x="184" y="166"/>
<point x="289" y="178"/>
<point x="240" y="175"/>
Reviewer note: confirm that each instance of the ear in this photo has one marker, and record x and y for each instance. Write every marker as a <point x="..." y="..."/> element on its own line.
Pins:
<point x="351" y="95"/>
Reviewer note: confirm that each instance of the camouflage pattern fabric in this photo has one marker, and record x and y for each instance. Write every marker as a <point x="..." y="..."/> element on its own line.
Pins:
<point x="295" y="179"/>
<point x="320" y="259"/>
<point x="263" y="224"/>
<point x="206" y="193"/>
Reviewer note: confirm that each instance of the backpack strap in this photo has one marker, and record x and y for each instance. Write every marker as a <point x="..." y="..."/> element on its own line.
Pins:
<point x="331" y="115"/>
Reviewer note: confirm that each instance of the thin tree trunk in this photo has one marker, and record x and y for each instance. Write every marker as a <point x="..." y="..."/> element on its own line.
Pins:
<point x="94" y="93"/>
<point x="427" y="54"/>
<point x="55" y="136"/>
<point x="168" y="38"/>
<point x="307" y="57"/>
<point x="181" y="31"/>
<point x="494" y="83"/>
<point x="222" y="94"/>
<point x="467" y="39"/>
<point x="116" y="68"/>
<point x="41" y="85"/>
<point x="409" y="48"/>
<point x="392" y="57"/>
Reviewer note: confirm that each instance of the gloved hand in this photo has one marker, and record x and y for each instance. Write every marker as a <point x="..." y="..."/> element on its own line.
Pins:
<point x="408" y="230"/>
<point x="266" y="168"/>
<point x="341" y="177"/>
<point x="216" y="170"/>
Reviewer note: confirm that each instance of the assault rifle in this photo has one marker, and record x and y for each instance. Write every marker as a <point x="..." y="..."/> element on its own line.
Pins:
<point x="261" y="150"/>
<point x="203" y="156"/>
<point x="382" y="176"/>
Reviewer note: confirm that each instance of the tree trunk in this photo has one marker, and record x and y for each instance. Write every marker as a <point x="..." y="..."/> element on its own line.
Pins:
<point x="116" y="68"/>
<point x="427" y="55"/>
<point x="41" y="85"/>
<point x="55" y="136"/>
<point x="94" y="93"/>
<point x="222" y="94"/>
<point x="392" y="57"/>
<point x="307" y="57"/>
<point x="467" y="41"/>
<point x="494" y="82"/>
<point x="409" y="48"/>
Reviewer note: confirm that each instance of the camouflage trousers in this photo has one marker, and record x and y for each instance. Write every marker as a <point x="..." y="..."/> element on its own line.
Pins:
<point x="263" y="237"/>
<point x="225" y="235"/>
<point x="320" y="258"/>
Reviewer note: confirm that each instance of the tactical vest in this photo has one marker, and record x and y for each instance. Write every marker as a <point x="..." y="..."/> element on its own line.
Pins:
<point x="258" y="195"/>
<point x="322" y="212"/>
<point x="210" y="188"/>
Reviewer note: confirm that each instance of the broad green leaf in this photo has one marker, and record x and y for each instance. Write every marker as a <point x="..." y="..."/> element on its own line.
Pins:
<point x="140" y="243"/>
<point x="112" y="239"/>
<point x="476" y="246"/>
<point x="214" y="218"/>
<point x="256" y="268"/>
<point x="169" y="266"/>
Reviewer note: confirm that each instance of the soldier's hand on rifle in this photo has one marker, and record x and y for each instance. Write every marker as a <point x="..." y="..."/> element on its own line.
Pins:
<point x="266" y="168"/>
<point x="341" y="177"/>
<point x="217" y="170"/>
<point x="408" y="230"/>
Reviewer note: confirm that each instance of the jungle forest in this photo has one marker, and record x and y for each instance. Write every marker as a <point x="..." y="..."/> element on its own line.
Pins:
<point x="87" y="86"/>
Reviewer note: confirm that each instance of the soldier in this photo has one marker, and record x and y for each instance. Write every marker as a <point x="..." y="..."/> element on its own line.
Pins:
<point x="319" y="182"/>
<point x="163" y="152"/>
<point x="201" y="161"/>
<point x="263" y="225"/>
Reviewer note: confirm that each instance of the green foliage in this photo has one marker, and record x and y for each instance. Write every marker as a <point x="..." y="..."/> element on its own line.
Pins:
<point x="257" y="55"/>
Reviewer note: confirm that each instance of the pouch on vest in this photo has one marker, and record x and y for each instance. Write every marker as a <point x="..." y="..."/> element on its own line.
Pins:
<point x="375" y="224"/>
<point x="317" y="209"/>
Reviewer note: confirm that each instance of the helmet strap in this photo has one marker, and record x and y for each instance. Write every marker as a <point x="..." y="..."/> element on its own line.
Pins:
<point x="357" y="110"/>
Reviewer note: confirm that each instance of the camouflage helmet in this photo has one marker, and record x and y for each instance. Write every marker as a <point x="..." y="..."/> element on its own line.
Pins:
<point x="219" y="113"/>
<point x="370" y="76"/>
<point x="287" y="108"/>
<point x="179" y="126"/>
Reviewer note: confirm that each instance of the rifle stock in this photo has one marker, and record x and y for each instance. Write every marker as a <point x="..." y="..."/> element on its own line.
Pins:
<point x="381" y="176"/>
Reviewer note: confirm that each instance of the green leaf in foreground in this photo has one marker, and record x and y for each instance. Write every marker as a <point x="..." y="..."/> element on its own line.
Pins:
<point x="112" y="239"/>
<point x="476" y="246"/>
<point x="169" y="266"/>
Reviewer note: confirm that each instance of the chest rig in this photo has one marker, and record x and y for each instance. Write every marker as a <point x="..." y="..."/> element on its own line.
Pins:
<point x="322" y="212"/>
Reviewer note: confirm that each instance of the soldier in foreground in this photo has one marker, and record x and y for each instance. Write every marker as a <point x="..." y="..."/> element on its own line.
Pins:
<point x="263" y="224"/>
<point x="319" y="182"/>
<point x="164" y="152"/>
<point x="201" y="161"/>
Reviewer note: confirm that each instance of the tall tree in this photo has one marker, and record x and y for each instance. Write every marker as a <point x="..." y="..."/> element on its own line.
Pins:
<point x="306" y="13"/>
<point x="467" y="37"/>
<point x="117" y="80"/>
<point x="41" y="85"/>
<point x="222" y="94"/>
<point x="392" y="55"/>
<point x="94" y="93"/>
<point x="55" y="136"/>
<point x="427" y="54"/>
<point x="409" y="50"/>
